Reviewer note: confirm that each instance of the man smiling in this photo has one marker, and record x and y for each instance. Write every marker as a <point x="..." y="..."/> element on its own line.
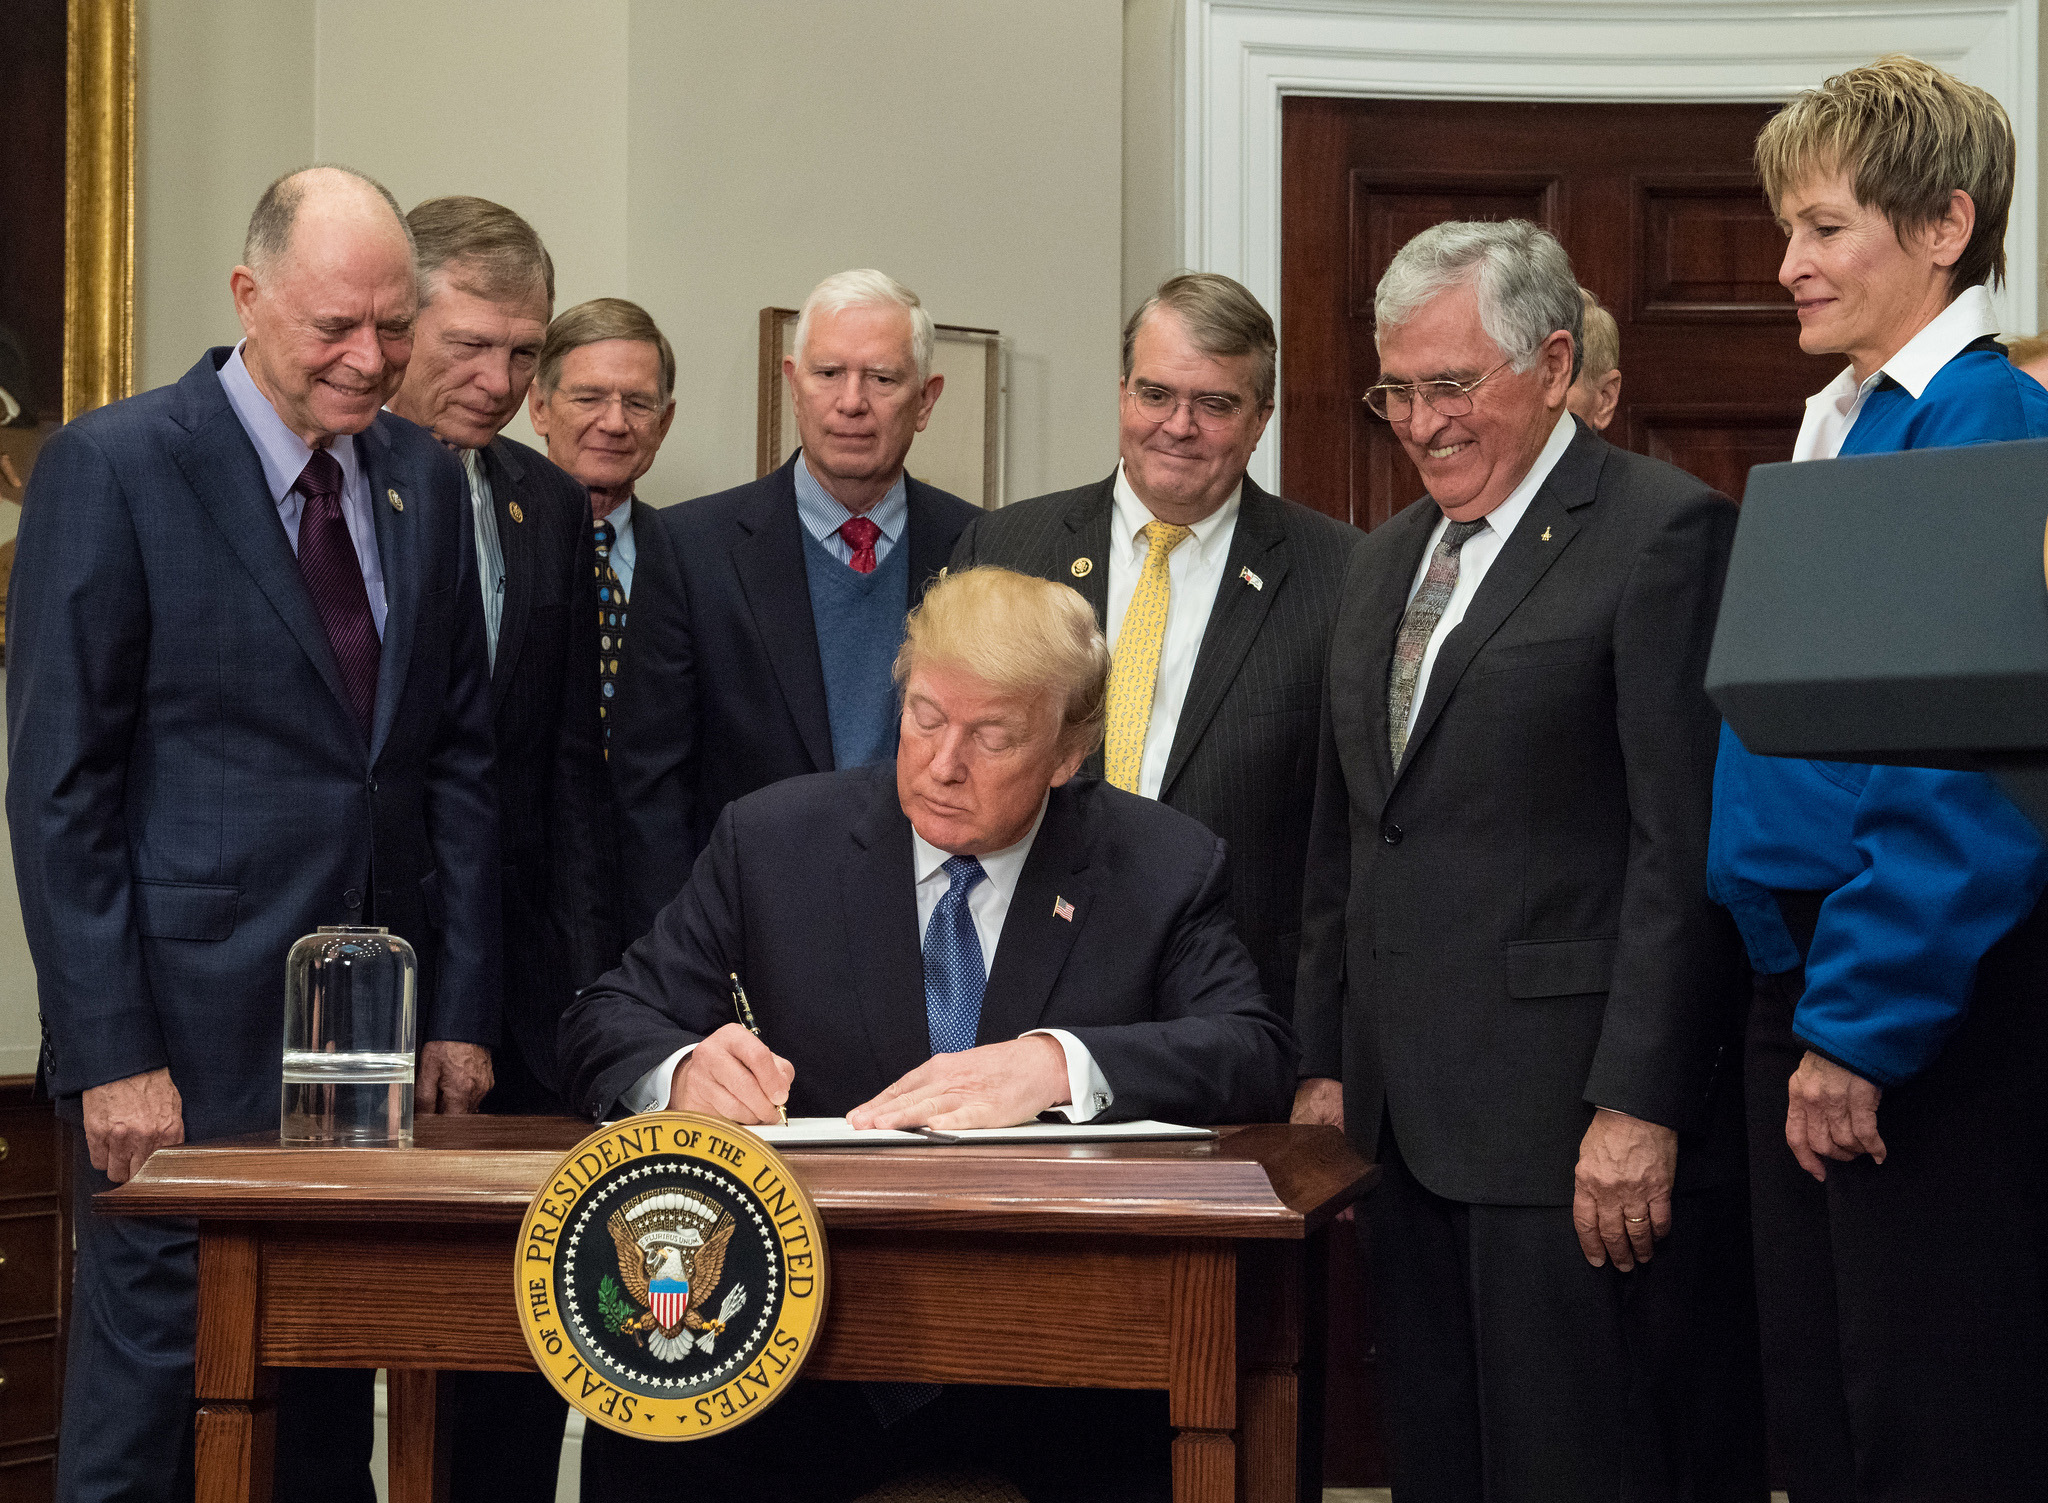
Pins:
<point x="968" y="938"/>
<point x="765" y="652"/>
<point x="1514" y="994"/>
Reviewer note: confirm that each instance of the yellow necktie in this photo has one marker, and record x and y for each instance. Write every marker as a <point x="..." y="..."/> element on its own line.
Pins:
<point x="1134" y="671"/>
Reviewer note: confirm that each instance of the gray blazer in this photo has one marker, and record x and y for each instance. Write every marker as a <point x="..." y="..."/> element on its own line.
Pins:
<point x="1243" y="759"/>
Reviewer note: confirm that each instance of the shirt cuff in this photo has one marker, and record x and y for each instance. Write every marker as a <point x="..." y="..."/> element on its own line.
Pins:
<point x="650" y="1092"/>
<point x="1088" y="1092"/>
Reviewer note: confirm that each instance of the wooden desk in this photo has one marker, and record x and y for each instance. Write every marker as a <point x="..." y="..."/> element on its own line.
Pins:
<point x="1191" y="1267"/>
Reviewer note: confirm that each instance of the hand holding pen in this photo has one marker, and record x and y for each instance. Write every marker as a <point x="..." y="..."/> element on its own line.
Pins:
<point x="734" y="1074"/>
<point x="741" y="1006"/>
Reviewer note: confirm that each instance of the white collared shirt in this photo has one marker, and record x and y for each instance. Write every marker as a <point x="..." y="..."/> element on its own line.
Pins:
<point x="988" y="901"/>
<point x="1832" y="411"/>
<point x="624" y="549"/>
<point x="1482" y="548"/>
<point x="490" y="556"/>
<point x="1195" y="570"/>
<point x="283" y="455"/>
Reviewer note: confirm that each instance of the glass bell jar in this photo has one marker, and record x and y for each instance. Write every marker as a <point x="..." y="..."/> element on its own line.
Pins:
<point x="349" y="1009"/>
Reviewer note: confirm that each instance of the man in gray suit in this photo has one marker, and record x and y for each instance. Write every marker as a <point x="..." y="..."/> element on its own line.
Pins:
<point x="1514" y="992"/>
<point x="1216" y="598"/>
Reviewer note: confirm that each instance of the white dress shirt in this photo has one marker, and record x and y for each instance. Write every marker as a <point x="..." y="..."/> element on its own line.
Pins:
<point x="490" y="557"/>
<point x="1481" y="549"/>
<point x="1195" y="570"/>
<point x="1832" y="411"/>
<point x="284" y="455"/>
<point x="1088" y="1091"/>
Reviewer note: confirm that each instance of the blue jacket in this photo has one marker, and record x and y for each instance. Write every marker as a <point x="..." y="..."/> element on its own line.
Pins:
<point x="1927" y="870"/>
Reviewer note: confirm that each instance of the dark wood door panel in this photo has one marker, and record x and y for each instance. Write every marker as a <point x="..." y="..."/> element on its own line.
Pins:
<point x="1655" y="203"/>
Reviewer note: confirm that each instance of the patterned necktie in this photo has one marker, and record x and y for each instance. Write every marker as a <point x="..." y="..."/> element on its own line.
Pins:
<point x="1134" y="671"/>
<point x="860" y="534"/>
<point x="955" y="974"/>
<point x="1417" y="626"/>
<point x="611" y="628"/>
<point x="334" y="578"/>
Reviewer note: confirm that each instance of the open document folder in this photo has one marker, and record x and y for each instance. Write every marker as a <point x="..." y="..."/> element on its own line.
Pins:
<point x="835" y="1132"/>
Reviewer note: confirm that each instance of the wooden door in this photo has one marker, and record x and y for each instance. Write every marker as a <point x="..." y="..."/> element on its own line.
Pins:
<point x="1659" y="210"/>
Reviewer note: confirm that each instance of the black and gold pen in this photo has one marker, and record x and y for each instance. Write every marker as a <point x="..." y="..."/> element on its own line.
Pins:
<point x="746" y="1017"/>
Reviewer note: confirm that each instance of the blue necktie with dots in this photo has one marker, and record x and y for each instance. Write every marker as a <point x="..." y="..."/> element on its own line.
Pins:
<point x="955" y="974"/>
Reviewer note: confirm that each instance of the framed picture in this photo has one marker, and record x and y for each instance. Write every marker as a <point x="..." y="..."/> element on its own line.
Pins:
<point x="961" y="448"/>
<point x="67" y="216"/>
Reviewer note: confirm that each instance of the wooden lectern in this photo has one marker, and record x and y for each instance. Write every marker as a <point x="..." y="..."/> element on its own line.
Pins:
<point x="1892" y="608"/>
<point x="1189" y="1267"/>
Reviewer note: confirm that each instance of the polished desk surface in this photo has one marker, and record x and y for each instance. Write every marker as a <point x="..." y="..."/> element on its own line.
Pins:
<point x="1256" y="1182"/>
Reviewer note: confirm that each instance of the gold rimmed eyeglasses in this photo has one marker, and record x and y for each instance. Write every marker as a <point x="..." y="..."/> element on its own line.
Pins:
<point x="1395" y="400"/>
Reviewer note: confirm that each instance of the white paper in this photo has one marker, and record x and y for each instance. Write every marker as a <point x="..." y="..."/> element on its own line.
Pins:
<point x="836" y="1132"/>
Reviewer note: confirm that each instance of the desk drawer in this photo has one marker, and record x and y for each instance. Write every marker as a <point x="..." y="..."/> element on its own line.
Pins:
<point x="28" y="1396"/>
<point x="28" y="1152"/>
<point x="29" y="1253"/>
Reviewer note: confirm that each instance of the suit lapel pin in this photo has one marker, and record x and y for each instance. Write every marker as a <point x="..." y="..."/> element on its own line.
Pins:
<point x="1546" y="536"/>
<point x="1061" y="908"/>
<point x="1251" y="579"/>
<point x="1081" y="567"/>
<point x="397" y="503"/>
<point x="517" y="514"/>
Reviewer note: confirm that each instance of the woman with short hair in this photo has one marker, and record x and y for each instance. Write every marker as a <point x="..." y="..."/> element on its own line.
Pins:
<point x="1893" y="915"/>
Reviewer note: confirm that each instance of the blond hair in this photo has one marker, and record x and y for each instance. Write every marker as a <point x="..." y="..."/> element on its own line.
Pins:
<point x="1603" y="340"/>
<point x="1908" y="135"/>
<point x="2025" y="349"/>
<point x="1019" y="635"/>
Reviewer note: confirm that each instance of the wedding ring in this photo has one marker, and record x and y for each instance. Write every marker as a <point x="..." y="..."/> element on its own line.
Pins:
<point x="1635" y="1220"/>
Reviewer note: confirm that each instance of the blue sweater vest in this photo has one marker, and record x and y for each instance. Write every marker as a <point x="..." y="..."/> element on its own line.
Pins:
<point x="859" y="618"/>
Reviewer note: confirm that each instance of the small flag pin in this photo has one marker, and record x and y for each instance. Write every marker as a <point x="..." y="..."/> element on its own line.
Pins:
<point x="517" y="514"/>
<point x="1062" y="909"/>
<point x="1251" y="579"/>
<point x="393" y="498"/>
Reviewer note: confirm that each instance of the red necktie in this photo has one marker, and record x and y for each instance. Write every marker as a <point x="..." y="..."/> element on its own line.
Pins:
<point x="334" y="578"/>
<point x="860" y="534"/>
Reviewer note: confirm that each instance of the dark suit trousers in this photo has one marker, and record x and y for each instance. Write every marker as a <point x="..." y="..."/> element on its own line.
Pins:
<point x="821" y="1443"/>
<point x="1905" y="1345"/>
<point x="128" y="1403"/>
<point x="1516" y="1372"/>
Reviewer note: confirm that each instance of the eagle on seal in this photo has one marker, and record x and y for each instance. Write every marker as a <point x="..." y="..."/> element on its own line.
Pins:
<point x="671" y="1246"/>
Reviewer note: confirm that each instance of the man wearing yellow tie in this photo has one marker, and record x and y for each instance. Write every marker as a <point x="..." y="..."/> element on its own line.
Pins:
<point x="1217" y="598"/>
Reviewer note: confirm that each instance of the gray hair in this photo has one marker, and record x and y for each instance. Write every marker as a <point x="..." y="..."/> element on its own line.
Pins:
<point x="486" y="249"/>
<point x="596" y="322"/>
<point x="1527" y="290"/>
<point x="868" y="288"/>
<point x="277" y="211"/>
<point x="1222" y="319"/>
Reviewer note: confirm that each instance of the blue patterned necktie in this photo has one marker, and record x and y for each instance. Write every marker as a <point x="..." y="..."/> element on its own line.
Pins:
<point x="611" y="628"/>
<point x="955" y="974"/>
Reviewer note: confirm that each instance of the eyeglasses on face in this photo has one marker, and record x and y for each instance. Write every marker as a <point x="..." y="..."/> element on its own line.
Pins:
<point x="1395" y="400"/>
<point x="641" y="411"/>
<point x="1212" y="411"/>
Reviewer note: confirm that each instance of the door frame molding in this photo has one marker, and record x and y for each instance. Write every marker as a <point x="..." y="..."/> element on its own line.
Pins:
<point x="1239" y="59"/>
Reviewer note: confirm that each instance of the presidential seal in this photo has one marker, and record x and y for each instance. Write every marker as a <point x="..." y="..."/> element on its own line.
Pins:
<point x="671" y="1276"/>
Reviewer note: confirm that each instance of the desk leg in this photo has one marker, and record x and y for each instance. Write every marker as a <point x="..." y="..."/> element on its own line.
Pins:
<point x="418" y="1453"/>
<point x="235" y="1434"/>
<point x="1279" y="1434"/>
<point x="1202" y="1400"/>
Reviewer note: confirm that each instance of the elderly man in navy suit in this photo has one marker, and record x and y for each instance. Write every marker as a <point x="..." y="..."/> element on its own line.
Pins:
<point x="247" y="696"/>
<point x="966" y="939"/>
<point x="767" y="616"/>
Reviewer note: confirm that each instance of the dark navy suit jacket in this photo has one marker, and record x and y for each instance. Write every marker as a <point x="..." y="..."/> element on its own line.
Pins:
<point x="722" y="691"/>
<point x="188" y="789"/>
<point x="808" y="891"/>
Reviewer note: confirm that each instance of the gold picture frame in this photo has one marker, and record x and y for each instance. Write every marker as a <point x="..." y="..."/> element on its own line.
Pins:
<point x="961" y="449"/>
<point x="96" y="262"/>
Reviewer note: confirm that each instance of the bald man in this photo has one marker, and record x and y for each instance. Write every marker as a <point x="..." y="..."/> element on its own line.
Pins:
<point x="247" y="663"/>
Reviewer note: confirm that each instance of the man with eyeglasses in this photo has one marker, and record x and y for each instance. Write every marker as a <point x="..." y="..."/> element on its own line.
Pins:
<point x="765" y="651"/>
<point x="1216" y="598"/>
<point x="1514" y="994"/>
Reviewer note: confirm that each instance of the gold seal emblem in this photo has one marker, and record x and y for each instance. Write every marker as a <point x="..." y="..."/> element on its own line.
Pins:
<point x="517" y="514"/>
<point x="393" y="497"/>
<point x="671" y="1276"/>
<point x="1081" y="567"/>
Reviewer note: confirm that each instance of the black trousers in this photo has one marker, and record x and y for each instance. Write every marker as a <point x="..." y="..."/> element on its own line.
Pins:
<point x="1905" y="1347"/>
<point x="1516" y="1372"/>
<point x="821" y="1443"/>
<point x="128" y="1396"/>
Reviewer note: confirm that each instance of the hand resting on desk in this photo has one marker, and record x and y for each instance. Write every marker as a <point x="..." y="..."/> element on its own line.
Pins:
<point x="996" y="1085"/>
<point x="733" y="1075"/>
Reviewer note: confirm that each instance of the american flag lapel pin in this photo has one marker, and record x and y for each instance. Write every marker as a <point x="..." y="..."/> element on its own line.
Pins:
<point x="1250" y="578"/>
<point x="1062" y="909"/>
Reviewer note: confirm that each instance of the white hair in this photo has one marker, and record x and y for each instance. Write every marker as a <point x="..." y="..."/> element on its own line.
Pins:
<point x="1527" y="289"/>
<point x="868" y="288"/>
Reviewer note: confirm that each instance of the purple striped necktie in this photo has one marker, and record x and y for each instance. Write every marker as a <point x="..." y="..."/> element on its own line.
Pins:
<point x="334" y="578"/>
